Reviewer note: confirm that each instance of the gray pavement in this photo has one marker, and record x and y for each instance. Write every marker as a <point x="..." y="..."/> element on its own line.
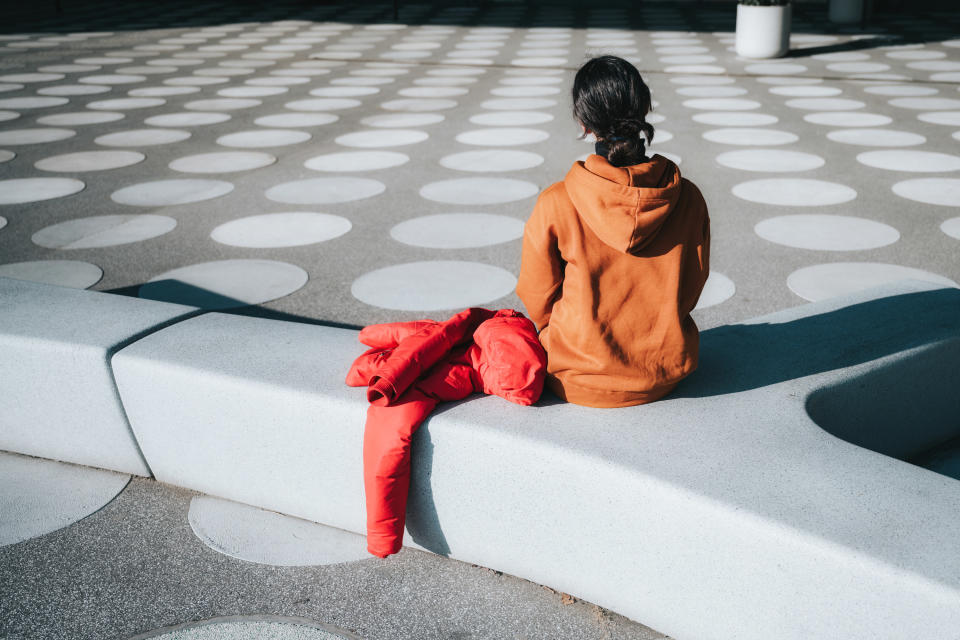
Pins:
<point x="136" y="566"/>
<point x="857" y="129"/>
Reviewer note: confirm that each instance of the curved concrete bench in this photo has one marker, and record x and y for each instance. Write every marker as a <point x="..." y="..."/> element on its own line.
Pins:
<point x="723" y="511"/>
<point x="57" y="395"/>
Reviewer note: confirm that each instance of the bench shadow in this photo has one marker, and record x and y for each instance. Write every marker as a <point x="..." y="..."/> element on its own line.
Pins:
<point x="179" y="292"/>
<point x="741" y="357"/>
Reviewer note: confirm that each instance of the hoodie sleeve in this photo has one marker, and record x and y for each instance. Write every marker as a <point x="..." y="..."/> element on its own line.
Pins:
<point x="696" y="268"/>
<point x="541" y="266"/>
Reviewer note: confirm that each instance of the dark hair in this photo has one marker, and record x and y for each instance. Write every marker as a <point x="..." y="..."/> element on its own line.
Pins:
<point x="611" y="100"/>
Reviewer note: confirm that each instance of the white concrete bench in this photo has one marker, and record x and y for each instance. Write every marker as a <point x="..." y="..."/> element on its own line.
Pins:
<point x="723" y="511"/>
<point x="57" y="396"/>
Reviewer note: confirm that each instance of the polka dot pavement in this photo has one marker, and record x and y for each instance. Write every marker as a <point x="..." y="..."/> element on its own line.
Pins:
<point x="333" y="163"/>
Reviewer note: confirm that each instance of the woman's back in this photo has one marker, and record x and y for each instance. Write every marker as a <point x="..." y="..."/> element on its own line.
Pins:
<point x="615" y="256"/>
<point x="614" y="260"/>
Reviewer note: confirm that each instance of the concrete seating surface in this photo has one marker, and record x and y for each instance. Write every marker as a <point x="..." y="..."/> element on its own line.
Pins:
<point x="723" y="511"/>
<point x="58" y="398"/>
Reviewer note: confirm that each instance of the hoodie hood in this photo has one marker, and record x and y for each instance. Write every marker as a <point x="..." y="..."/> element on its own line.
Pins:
<point x="624" y="206"/>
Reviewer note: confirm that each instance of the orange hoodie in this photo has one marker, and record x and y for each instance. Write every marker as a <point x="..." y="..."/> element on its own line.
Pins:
<point x="614" y="260"/>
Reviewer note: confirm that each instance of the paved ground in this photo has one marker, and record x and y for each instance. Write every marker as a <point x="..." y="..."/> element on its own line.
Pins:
<point x="338" y="166"/>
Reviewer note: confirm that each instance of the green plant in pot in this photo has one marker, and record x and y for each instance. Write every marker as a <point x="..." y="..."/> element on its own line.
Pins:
<point x="763" y="28"/>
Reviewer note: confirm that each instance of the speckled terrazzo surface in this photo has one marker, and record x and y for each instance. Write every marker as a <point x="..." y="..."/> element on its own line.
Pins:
<point x="330" y="163"/>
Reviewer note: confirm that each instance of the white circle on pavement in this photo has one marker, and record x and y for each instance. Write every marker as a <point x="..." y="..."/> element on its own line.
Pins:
<point x="951" y="227"/>
<point x="325" y="190"/>
<point x="949" y="118"/>
<point x="457" y="230"/>
<point x="770" y="160"/>
<point x="842" y="56"/>
<point x="916" y="54"/>
<point x="382" y="138"/>
<point x="419" y="104"/>
<point x="322" y="104"/>
<point x="939" y="191"/>
<point x="73" y="90"/>
<point x="359" y="81"/>
<point x="3" y="222"/>
<point x="794" y="192"/>
<point x="122" y="104"/>
<point x="433" y="285"/>
<point x="876" y="137"/>
<point x="821" y="232"/>
<point x="926" y="104"/>
<point x="142" y="137"/>
<point x="225" y="284"/>
<point x="858" y="67"/>
<point x="277" y="81"/>
<point x="511" y="118"/>
<point x="711" y="91"/>
<point x="825" y="104"/>
<point x="187" y="119"/>
<point x="400" y="120"/>
<point x="718" y="288"/>
<point x="34" y="136"/>
<point x="478" y="191"/>
<point x="32" y="103"/>
<point x="518" y="104"/>
<point x="194" y="81"/>
<point x="343" y="92"/>
<point x="841" y="278"/>
<point x="774" y="68"/>
<point x="103" y="231"/>
<point x="64" y="273"/>
<point x="702" y="80"/>
<point x="282" y="120"/>
<point x="170" y="192"/>
<point x="432" y="92"/>
<point x="848" y="119"/>
<point x="251" y="92"/>
<point x="785" y="81"/>
<point x="222" y="104"/>
<point x="492" y="160"/>
<point x="287" y="229"/>
<point x="90" y="161"/>
<point x="750" y="137"/>
<point x="39" y="496"/>
<point x="805" y="91"/>
<point x="31" y="77"/>
<point x="910" y="161"/>
<point x="253" y="629"/>
<point x="6" y="156"/>
<point x="265" y="537"/>
<point x="265" y="138"/>
<point x="163" y="91"/>
<point x="734" y="119"/>
<point x="523" y="92"/>
<point x="900" y="90"/>
<point x="115" y="78"/>
<point x="506" y="136"/>
<point x="356" y="161"/>
<point x="23" y="190"/>
<point x="721" y="104"/>
<point x="222" y="162"/>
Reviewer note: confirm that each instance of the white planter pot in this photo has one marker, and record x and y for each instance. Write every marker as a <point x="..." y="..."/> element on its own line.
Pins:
<point x="846" y="11"/>
<point x="763" y="32"/>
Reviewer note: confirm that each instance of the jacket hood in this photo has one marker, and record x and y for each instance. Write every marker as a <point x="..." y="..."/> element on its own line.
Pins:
<point x="624" y="206"/>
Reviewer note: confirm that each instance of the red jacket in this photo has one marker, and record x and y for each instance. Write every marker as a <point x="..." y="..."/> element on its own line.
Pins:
<point x="409" y="368"/>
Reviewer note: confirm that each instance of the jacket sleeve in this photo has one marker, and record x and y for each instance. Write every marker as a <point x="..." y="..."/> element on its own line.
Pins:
<point x="696" y="267"/>
<point x="541" y="267"/>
